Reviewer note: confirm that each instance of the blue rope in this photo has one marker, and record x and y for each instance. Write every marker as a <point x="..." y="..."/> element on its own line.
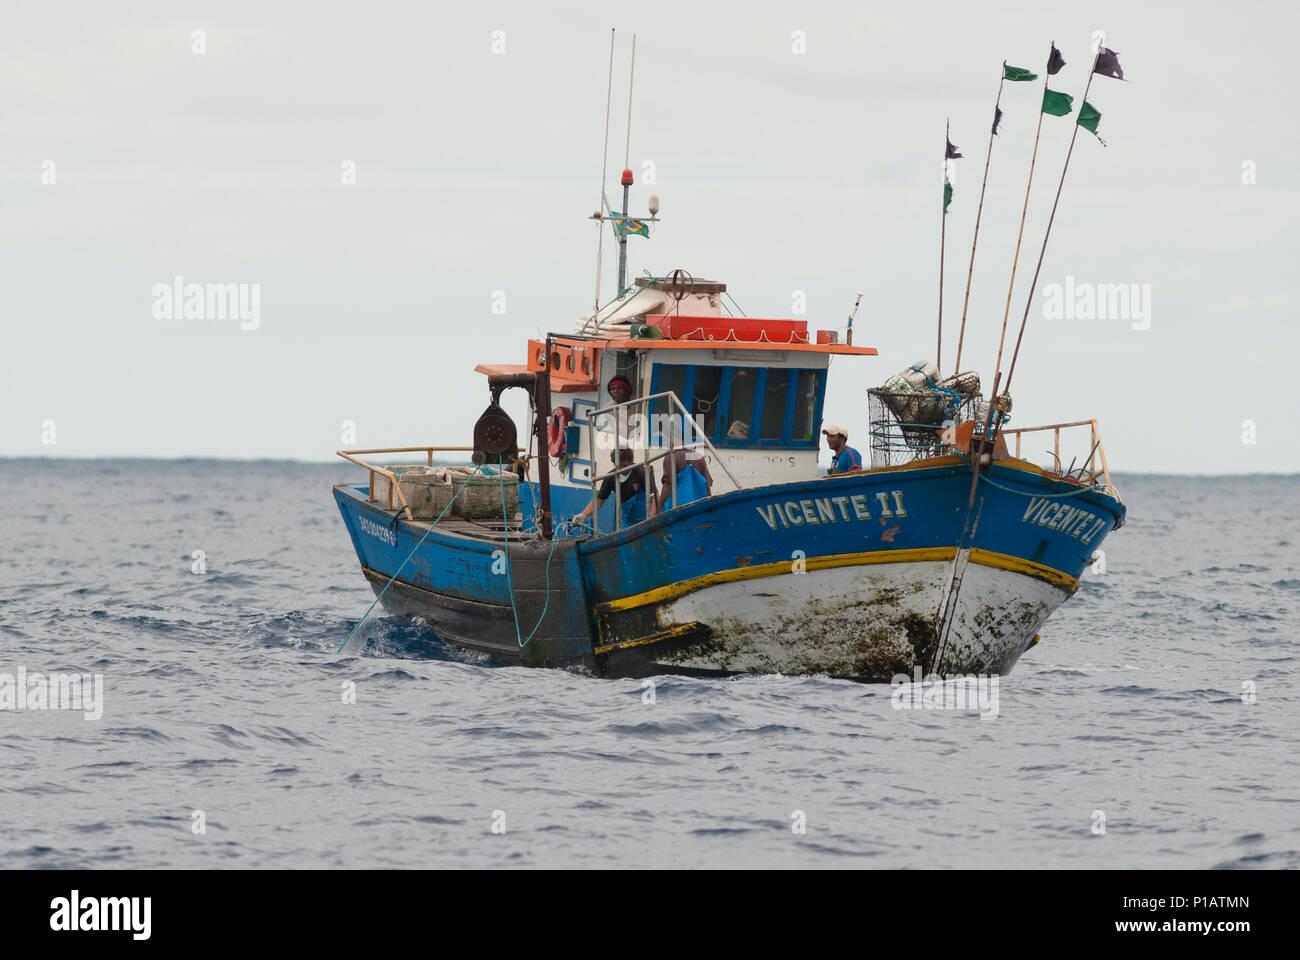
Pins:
<point x="954" y="398"/>
<point x="1020" y="493"/>
<point x="1069" y="493"/>
<point x="408" y="557"/>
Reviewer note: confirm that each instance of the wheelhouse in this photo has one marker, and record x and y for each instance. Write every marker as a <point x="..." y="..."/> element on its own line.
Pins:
<point x="752" y="388"/>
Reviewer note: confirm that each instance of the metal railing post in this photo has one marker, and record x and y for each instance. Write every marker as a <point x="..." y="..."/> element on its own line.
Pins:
<point x="645" y="452"/>
<point x="591" y="472"/>
<point x="620" y="413"/>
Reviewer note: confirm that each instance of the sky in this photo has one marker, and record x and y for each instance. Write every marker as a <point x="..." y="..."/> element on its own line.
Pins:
<point x="408" y="185"/>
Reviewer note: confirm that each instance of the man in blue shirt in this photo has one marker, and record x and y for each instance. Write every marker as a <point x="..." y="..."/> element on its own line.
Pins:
<point x="844" y="459"/>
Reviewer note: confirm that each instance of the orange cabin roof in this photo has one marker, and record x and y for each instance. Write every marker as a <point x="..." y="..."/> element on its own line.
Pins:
<point x="575" y="367"/>
<point x="837" y="349"/>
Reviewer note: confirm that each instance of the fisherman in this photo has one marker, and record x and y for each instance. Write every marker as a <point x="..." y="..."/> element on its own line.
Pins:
<point x="621" y="424"/>
<point x="636" y="502"/>
<point x="844" y="459"/>
<point x="688" y="468"/>
<point x="619" y="388"/>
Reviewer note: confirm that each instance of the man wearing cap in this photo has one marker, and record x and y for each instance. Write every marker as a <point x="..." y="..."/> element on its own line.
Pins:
<point x="844" y="459"/>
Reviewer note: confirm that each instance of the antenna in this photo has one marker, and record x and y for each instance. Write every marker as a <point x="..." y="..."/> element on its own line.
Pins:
<point x="626" y="179"/>
<point x="604" y="162"/>
<point x="627" y="149"/>
<point x="856" y="304"/>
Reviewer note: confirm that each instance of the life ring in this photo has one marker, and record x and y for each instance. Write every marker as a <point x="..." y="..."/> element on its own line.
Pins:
<point x="556" y="434"/>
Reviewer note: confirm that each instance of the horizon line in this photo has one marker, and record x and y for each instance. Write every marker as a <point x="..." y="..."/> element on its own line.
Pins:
<point x="295" y="460"/>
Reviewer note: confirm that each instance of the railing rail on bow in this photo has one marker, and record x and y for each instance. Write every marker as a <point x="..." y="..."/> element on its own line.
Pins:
<point x="355" y="456"/>
<point x="1094" y="470"/>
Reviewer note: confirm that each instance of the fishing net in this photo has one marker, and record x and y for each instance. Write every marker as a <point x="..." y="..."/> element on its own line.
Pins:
<point x="910" y="411"/>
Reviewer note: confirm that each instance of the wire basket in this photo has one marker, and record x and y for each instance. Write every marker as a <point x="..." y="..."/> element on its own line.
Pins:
<point x="908" y="425"/>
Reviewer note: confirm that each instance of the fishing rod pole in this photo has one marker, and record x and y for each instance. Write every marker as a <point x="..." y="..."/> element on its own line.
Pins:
<point x="970" y="271"/>
<point x="1054" y="64"/>
<point x="1092" y="72"/>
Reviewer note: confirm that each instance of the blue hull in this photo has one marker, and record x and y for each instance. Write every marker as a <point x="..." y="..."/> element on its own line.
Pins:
<point x="848" y="575"/>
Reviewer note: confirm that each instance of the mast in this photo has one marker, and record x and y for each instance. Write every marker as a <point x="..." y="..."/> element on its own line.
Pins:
<point x="970" y="271"/>
<point x="943" y="230"/>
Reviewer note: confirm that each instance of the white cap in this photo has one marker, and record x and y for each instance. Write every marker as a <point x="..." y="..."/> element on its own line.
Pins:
<point x="834" y="429"/>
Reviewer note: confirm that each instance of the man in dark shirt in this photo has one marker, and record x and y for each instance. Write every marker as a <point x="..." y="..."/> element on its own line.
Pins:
<point x="637" y="502"/>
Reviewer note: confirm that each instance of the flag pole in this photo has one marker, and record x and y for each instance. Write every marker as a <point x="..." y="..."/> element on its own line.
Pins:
<point x="1034" y="283"/>
<point x="997" y="106"/>
<point x="1047" y="76"/>
<point x="943" y="230"/>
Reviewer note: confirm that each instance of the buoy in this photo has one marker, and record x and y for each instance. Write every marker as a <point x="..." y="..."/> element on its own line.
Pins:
<point x="556" y="432"/>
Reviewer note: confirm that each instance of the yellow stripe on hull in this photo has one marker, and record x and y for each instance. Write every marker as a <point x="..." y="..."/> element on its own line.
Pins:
<point x="987" y="558"/>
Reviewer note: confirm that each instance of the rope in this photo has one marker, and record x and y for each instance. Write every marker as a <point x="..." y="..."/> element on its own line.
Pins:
<point x="1020" y="493"/>
<point x="510" y="581"/>
<point x="734" y="303"/>
<point x="408" y="557"/>
<point x="954" y="398"/>
<point x="1069" y="493"/>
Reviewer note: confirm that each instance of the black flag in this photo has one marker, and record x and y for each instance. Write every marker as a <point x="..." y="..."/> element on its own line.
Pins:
<point x="1108" y="64"/>
<point x="1055" y="62"/>
<point x="997" y="118"/>
<point x="952" y="153"/>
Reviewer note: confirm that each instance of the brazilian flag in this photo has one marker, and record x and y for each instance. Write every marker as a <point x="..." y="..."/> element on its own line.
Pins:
<point x="629" y="227"/>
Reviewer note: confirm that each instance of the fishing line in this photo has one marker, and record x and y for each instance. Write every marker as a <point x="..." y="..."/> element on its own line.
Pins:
<point x="343" y="645"/>
<point x="510" y="580"/>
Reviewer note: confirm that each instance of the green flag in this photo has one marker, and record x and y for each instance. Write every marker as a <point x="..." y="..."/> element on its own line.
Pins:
<point x="1057" y="104"/>
<point x="947" y="194"/>
<point x="1017" y="73"/>
<point x="629" y="227"/>
<point x="1089" y="116"/>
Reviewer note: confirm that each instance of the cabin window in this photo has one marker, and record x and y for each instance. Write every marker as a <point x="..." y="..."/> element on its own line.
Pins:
<point x="805" y="408"/>
<point x="704" y="403"/>
<point x="745" y="406"/>
<point x="776" y="393"/>
<point x="669" y="377"/>
<point x="740" y="411"/>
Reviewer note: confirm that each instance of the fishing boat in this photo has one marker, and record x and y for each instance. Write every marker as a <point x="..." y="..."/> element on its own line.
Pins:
<point x="945" y="553"/>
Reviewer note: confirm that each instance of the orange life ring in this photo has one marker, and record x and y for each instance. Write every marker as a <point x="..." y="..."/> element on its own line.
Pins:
<point x="555" y="433"/>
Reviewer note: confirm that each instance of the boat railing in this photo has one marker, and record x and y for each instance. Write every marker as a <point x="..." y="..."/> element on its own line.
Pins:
<point x="623" y="437"/>
<point x="355" y="456"/>
<point x="1093" y="471"/>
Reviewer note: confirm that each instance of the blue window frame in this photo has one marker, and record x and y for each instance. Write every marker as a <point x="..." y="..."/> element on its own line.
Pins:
<point x="780" y="407"/>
